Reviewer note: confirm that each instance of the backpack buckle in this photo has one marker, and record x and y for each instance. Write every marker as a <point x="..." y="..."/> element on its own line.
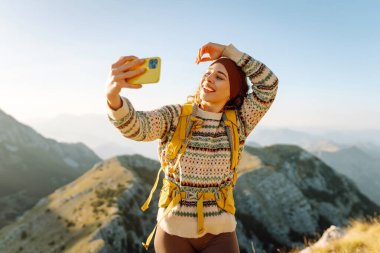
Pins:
<point x="191" y="195"/>
<point x="175" y="192"/>
<point x="217" y="198"/>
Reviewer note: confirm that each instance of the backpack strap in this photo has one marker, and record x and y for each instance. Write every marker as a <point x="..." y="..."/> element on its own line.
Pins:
<point x="193" y="122"/>
<point x="182" y="136"/>
<point x="180" y="132"/>
<point x="177" y="145"/>
<point x="229" y="118"/>
<point x="179" y="141"/>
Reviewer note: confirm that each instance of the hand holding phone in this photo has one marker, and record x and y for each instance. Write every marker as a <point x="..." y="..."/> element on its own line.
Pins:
<point x="130" y="72"/>
<point x="152" y="67"/>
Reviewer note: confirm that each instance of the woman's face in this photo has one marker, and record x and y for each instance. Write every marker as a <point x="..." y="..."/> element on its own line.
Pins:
<point x="215" y="85"/>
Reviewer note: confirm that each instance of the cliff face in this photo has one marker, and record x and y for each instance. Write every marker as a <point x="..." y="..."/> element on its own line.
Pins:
<point x="293" y="194"/>
<point x="361" y="164"/>
<point x="283" y="193"/>
<point x="353" y="153"/>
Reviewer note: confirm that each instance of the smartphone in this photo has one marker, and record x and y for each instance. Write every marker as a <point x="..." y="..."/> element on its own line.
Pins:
<point x="152" y="73"/>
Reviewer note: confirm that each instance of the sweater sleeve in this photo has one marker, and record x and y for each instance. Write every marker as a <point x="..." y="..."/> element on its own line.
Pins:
<point x="143" y="125"/>
<point x="264" y="86"/>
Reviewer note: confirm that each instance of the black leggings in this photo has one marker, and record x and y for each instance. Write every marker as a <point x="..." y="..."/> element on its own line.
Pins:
<point x="209" y="243"/>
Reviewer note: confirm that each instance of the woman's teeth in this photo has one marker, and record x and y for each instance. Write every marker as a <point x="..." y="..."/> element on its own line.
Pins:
<point x="208" y="90"/>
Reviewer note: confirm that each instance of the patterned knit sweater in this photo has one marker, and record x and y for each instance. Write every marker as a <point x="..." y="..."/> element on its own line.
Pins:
<point x="205" y="165"/>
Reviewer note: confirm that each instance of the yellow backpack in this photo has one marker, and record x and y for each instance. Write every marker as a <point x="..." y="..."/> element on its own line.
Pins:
<point x="170" y="194"/>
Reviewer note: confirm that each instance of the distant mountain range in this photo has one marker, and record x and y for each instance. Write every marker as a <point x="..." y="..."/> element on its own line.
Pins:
<point x="312" y="139"/>
<point x="81" y="128"/>
<point x="95" y="131"/>
<point x="286" y="193"/>
<point x="329" y="145"/>
<point x="33" y="166"/>
<point x="363" y="167"/>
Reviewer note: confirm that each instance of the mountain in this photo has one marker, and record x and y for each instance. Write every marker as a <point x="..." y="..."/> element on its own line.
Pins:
<point x="98" y="212"/>
<point x="307" y="138"/>
<point x="370" y="148"/>
<point x="363" y="167"/>
<point x="104" y="139"/>
<point x="354" y="157"/>
<point x="293" y="194"/>
<point x="286" y="193"/>
<point x="33" y="166"/>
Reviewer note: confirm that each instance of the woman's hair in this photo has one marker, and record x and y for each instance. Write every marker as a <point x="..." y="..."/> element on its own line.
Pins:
<point x="230" y="105"/>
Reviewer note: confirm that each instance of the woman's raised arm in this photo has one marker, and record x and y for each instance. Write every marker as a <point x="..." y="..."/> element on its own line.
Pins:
<point x="144" y="125"/>
<point x="135" y="125"/>
<point x="264" y="87"/>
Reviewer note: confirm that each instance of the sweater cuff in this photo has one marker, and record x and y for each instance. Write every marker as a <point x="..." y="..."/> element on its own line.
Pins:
<point x="119" y="113"/>
<point x="233" y="53"/>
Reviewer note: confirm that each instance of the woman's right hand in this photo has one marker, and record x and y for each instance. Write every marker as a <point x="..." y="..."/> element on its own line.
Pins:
<point x="119" y="72"/>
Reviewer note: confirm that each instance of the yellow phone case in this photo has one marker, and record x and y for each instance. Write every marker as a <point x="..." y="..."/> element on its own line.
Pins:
<point x="152" y="73"/>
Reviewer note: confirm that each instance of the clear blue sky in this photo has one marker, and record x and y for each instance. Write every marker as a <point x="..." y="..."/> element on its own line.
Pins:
<point x="55" y="55"/>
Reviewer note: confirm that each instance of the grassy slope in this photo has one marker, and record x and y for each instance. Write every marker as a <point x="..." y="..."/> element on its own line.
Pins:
<point x="362" y="236"/>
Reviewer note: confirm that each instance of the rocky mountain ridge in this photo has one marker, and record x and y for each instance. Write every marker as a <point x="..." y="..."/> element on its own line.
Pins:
<point x="285" y="194"/>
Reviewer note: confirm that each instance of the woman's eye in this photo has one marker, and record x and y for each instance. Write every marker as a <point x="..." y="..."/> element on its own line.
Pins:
<point x="218" y="77"/>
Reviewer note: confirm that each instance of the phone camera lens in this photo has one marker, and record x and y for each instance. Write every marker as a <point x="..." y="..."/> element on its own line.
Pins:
<point x="153" y="63"/>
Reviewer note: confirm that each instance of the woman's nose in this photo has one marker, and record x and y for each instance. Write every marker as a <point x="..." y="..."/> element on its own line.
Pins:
<point x="210" y="78"/>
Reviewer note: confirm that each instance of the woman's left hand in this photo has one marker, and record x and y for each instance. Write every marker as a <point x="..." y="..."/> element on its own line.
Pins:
<point x="213" y="49"/>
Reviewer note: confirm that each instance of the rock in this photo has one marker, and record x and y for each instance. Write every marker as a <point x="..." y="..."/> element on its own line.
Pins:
<point x="331" y="234"/>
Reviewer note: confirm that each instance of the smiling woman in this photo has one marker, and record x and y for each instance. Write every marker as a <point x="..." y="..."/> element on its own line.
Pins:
<point x="201" y="142"/>
<point x="215" y="88"/>
<point x="229" y="83"/>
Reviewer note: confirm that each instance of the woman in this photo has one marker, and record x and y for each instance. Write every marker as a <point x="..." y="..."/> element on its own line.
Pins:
<point x="205" y="166"/>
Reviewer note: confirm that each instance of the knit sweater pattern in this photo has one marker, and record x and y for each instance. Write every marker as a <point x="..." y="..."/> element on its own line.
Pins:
<point x="205" y="165"/>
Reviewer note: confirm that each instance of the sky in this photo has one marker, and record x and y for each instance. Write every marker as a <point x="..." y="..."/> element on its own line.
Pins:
<point x="55" y="56"/>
